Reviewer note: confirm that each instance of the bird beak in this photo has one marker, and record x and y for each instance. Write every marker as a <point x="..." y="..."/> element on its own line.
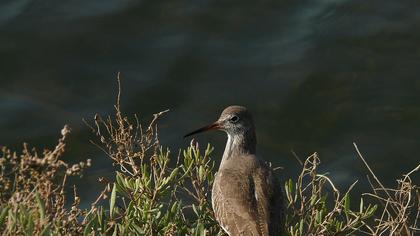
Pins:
<point x="213" y="126"/>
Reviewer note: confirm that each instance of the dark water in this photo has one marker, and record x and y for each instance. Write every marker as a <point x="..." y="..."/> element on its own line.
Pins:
<point x="317" y="76"/>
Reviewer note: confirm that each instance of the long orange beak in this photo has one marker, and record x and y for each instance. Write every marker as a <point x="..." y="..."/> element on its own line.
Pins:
<point x="213" y="126"/>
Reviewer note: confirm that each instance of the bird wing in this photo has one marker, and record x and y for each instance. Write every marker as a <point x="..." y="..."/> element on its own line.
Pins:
<point x="237" y="206"/>
<point x="263" y="192"/>
<point x="271" y="209"/>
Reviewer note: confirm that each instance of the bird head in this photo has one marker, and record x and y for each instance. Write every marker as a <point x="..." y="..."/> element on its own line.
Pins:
<point x="234" y="120"/>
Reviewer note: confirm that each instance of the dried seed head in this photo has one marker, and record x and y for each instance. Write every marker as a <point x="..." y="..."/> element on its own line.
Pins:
<point x="65" y="131"/>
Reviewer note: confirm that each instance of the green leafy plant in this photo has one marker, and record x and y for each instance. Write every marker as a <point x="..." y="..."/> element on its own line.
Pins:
<point x="149" y="197"/>
<point x="158" y="193"/>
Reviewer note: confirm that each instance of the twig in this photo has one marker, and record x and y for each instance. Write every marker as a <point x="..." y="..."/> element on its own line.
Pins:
<point x="296" y="157"/>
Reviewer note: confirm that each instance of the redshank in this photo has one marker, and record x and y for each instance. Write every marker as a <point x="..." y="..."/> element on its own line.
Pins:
<point x="246" y="197"/>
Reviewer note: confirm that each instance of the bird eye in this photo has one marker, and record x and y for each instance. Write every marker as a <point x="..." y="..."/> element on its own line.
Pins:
<point x="234" y="119"/>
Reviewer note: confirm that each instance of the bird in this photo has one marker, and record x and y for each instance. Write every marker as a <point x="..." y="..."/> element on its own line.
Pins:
<point x="246" y="198"/>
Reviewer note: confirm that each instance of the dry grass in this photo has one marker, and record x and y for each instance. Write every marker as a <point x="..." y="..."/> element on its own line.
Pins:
<point x="400" y="205"/>
<point x="312" y="211"/>
<point x="32" y="193"/>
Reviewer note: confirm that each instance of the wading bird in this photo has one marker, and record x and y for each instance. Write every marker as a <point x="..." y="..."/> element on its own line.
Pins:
<point x="246" y="198"/>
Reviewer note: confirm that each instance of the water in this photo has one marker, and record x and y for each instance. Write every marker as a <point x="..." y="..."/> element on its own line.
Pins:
<point x="317" y="75"/>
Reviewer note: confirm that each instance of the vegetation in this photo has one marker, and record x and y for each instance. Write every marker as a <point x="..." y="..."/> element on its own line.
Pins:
<point x="158" y="193"/>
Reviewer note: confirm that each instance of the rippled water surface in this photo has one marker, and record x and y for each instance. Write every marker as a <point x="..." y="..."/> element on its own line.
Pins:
<point x="317" y="76"/>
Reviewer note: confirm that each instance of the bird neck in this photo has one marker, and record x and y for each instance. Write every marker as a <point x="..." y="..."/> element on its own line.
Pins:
<point x="239" y="144"/>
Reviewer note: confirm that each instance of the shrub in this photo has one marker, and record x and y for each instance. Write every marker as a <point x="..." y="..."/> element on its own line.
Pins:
<point x="158" y="193"/>
<point x="32" y="193"/>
